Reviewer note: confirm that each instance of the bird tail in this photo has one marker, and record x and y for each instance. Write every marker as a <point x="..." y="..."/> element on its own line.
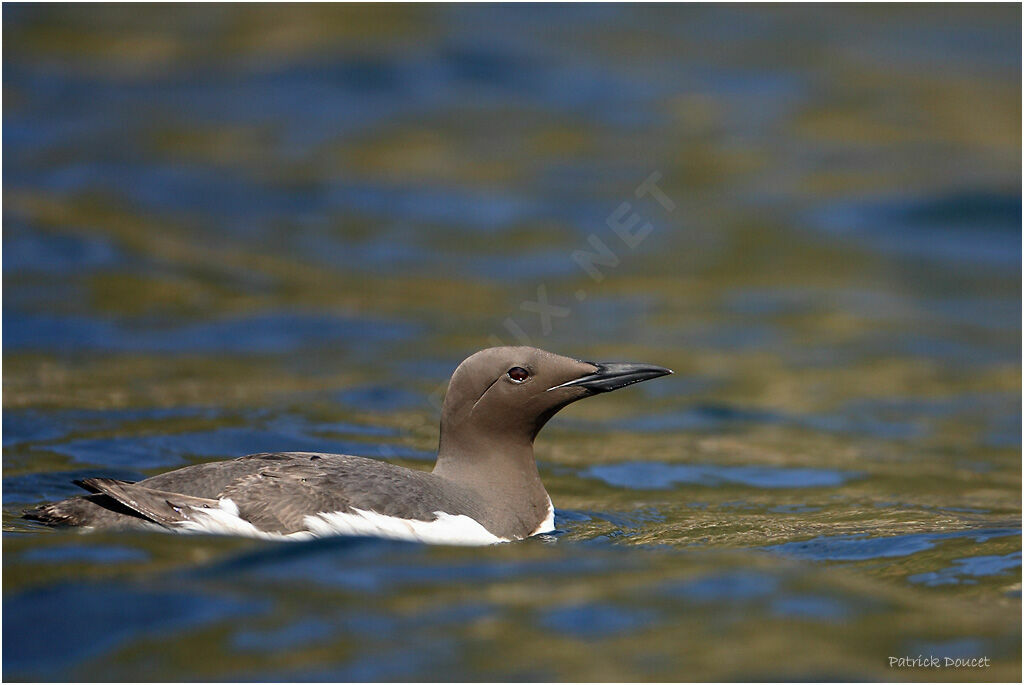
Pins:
<point x="158" y="506"/>
<point x="69" y="512"/>
<point x="118" y="503"/>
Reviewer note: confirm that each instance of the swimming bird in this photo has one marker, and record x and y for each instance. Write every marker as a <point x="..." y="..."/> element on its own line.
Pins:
<point x="484" y="487"/>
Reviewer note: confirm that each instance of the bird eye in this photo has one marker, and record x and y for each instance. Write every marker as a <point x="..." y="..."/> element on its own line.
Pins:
<point x="518" y="374"/>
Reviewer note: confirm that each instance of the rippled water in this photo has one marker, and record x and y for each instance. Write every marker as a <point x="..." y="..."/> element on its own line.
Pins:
<point x="239" y="229"/>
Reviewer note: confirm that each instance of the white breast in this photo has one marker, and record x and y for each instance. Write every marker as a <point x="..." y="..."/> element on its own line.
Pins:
<point x="548" y="524"/>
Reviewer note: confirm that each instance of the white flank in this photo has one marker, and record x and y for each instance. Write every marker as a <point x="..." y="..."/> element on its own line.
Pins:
<point x="225" y="521"/>
<point x="446" y="529"/>
<point x="548" y="524"/>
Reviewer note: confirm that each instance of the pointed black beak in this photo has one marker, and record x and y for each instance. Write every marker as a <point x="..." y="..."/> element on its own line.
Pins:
<point x="614" y="375"/>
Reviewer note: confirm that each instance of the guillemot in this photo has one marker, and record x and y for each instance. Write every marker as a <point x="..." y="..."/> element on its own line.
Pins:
<point x="484" y="487"/>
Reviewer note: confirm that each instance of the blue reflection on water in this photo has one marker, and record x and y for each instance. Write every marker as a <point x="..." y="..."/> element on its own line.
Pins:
<point x="27" y="251"/>
<point x="746" y="590"/>
<point x="596" y="620"/>
<point x="861" y="547"/>
<point x="734" y="586"/>
<point x="368" y="565"/>
<point x="380" y="398"/>
<point x="91" y="619"/>
<point x="962" y="228"/>
<point x="55" y="485"/>
<point x="966" y="570"/>
<point x="98" y="554"/>
<point x="151" y="451"/>
<point x="302" y="633"/>
<point x="887" y="418"/>
<point x="265" y="333"/>
<point x="811" y="607"/>
<point x="651" y="475"/>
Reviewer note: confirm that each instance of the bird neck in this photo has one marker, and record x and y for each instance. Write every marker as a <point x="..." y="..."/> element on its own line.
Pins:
<point x="498" y="466"/>
<point x="485" y="462"/>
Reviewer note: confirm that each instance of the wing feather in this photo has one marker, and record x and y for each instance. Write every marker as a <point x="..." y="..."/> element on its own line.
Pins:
<point x="159" y="506"/>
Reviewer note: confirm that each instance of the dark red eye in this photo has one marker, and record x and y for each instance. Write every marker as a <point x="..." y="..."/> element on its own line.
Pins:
<point x="518" y="374"/>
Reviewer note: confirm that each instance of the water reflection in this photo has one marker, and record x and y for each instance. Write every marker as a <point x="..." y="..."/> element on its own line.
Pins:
<point x="237" y="229"/>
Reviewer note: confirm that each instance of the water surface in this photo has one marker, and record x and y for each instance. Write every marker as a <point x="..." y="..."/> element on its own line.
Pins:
<point x="238" y="229"/>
